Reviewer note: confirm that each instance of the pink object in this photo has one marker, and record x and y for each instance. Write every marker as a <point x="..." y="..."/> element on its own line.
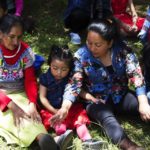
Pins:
<point x="60" y="129"/>
<point x="19" y="7"/>
<point x="83" y="132"/>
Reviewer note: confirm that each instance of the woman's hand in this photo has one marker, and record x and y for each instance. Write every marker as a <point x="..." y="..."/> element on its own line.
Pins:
<point x="144" y="107"/>
<point x="33" y="113"/>
<point x="18" y="113"/>
<point x="144" y="110"/>
<point x="59" y="116"/>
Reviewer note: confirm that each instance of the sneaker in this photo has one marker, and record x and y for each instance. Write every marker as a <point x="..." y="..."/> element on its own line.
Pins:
<point x="65" y="139"/>
<point x="75" y="38"/>
<point x="93" y="144"/>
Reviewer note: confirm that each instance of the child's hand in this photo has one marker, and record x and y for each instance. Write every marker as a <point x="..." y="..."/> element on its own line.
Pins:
<point x="32" y="112"/>
<point x="59" y="117"/>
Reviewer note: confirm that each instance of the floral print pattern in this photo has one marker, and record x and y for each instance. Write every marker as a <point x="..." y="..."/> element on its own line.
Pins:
<point x="91" y="74"/>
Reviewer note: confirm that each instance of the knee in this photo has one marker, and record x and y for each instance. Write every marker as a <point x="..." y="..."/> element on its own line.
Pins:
<point x="45" y="142"/>
<point x="113" y="129"/>
<point x="116" y="134"/>
<point x="99" y="112"/>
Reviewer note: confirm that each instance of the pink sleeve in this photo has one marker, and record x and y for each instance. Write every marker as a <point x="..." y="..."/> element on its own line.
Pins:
<point x="19" y="7"/>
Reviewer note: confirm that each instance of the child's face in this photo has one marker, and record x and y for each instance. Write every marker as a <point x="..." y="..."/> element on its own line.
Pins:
<point x="59" y="69"/>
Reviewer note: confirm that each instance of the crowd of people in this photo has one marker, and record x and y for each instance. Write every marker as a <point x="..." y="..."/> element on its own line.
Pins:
<point x="90" y="85"/>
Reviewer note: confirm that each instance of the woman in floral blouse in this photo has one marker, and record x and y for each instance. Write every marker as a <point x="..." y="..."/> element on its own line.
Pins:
<point x="103" y="68"/>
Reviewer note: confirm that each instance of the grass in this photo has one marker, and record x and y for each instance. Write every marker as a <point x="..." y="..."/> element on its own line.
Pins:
<point x="49" y="30"/>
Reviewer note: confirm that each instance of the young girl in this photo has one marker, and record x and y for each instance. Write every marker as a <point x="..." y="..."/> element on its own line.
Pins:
<point x="52" y="85"/>
<point x="130" y="24"/>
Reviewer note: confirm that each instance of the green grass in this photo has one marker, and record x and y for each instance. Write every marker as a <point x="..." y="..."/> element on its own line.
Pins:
<point x="49" y="30"/>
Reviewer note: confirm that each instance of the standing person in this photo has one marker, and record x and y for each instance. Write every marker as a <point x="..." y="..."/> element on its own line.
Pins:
<point x="105" y="64"/>
<point x="79" y="13"/>
<point x="15" y="7"/>
<point x="52" y="85"/>
<point x="130" y="25"/>
<point x="18" y="90"/>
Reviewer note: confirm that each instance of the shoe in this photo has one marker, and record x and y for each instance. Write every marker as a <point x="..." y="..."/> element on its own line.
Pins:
<point x="75" y="38"/>
<point x="65" y="139"/>
<point x="47" y="141"/>
<point x="127" y="144"/>
<point x="93" y="144"/>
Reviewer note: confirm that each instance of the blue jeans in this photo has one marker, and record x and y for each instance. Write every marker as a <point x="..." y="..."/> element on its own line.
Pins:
<point x="104" y="114"/>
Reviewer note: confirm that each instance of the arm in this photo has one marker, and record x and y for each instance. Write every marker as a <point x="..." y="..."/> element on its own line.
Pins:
<point x="19" y="7"/>
<point x="144" y="107"/>
<point x="87" y="96"/>
<point x="44" y="100"/>
<point x="4" y="101"/>
<point x="136" y="78"/>
<point x="146" y="26"/>
<point x="31" y="84"/>
<point x="133" y="12"/>
<point x="31" y="91"/>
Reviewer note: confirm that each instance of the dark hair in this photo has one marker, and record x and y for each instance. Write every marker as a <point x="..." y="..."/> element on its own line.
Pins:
<point x="9" y="21"/>
<point x="106" y="28"/>
<point x="3" y="4"/>
<point x="61" y="53"/>
<point x="146" y="55"/>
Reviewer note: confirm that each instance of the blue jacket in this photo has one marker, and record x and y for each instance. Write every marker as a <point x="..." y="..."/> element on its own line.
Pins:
<point x="92" y="74"/>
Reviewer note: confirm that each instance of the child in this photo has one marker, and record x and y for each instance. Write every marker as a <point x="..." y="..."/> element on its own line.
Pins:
<point x="52" y="85"/>
<point x="144" y="34"/>
<point x="129" y="24"/>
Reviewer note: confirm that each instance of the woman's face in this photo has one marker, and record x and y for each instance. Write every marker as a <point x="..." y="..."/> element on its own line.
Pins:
<point x="12" y="39"/>
<point x="97" y="45"/>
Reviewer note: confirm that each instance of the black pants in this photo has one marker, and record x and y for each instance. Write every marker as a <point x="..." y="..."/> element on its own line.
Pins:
<point x="77" y="21"/>
<point x="104" y="114"/>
